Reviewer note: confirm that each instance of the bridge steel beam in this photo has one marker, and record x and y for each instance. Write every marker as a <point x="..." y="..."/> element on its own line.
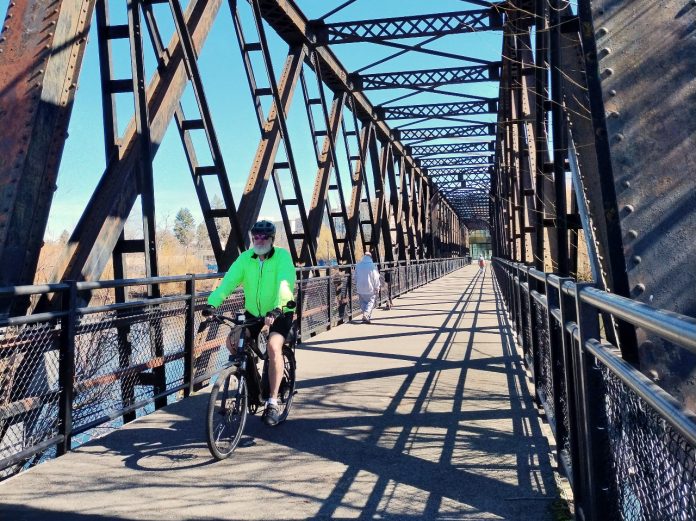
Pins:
<point x="452" y="148"/>
<point x="486" y="129"/>
<point x="647" y="158"/>
<point x="439" y="110"/>
<point x="99" y="228"/>
<point x="41" y="52"/>
<point x="427" y="77"/>
<point x="456" y="161"/>
<point x="409" y="26"/>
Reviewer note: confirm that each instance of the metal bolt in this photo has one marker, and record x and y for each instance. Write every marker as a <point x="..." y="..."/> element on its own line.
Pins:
<point x="607" y="72"/>
<point x="632" y="234"/>
<point x="602" y="31"/>
<point x="628" y="208"/>
<point x="619" y="137"/>
<point x="613" y="114"/>
<point x="612" y="92"/>
<point x="626" y="184"/>
<point x="640" y="288"/>
<point x="636" y="259"/>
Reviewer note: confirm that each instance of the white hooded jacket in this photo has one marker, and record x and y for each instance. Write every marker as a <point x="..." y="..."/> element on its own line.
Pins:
<point x="366" y="276"/>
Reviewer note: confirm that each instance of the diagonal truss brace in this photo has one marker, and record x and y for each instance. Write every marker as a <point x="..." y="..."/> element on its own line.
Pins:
<point x="96" y="234"/>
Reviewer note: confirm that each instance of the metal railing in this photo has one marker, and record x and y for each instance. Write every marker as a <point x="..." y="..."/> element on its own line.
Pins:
<point x="77" y="373"/>
<point x="626" y="446"/>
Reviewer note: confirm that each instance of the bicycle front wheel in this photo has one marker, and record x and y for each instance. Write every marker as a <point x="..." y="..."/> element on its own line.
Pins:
<point x="227" y="413"/>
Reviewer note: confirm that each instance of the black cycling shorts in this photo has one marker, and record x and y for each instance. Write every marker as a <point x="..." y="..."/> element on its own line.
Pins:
<point x="281" y="325"/>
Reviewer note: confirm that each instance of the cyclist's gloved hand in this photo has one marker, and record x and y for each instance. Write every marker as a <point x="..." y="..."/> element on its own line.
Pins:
<point x="274" y="313"/>
<point x="208" y="310"/>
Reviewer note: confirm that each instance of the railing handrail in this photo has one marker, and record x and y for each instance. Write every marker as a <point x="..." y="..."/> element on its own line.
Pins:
<point x="677" y="328"/>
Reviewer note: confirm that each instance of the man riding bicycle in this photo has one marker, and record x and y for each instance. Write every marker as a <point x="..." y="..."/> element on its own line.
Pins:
<point x="268" y="277"/>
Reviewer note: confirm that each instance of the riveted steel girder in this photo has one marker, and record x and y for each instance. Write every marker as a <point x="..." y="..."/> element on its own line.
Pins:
<point x="409" y="26"/>
<point x="41" y="53"/>
<point x="642" y="93"/>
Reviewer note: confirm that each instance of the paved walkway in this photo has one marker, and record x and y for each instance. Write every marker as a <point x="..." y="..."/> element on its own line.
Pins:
<point x="423" y="414"/>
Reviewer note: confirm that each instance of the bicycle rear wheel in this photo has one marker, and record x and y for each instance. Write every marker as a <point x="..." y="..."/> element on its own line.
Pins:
<point x="286" y="391"/>
<point x="227" y="413"/>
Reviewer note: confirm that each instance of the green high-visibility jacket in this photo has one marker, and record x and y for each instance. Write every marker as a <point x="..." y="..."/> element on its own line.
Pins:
<point x="267" y="285"/>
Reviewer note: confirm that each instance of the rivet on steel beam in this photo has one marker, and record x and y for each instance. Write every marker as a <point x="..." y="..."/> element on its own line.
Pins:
<point x="632" y="234"/>
<point x="619" y="137"/>
<point x="639" y="288"/>
<point x="602" y="31"/>
<point x="628" y="208"/>
<point x="636" y="259"/>
<point x="626" y="184"/>
<point x="607" y="72"/>
<point x="612" y="92"/>
<point x="614" y="114"/>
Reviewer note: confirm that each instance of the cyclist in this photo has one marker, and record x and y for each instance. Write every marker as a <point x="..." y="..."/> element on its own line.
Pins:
<point x="267" y="274"/>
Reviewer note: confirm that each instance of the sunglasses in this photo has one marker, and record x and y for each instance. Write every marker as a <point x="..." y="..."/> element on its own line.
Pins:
<point x="260" y="237"/>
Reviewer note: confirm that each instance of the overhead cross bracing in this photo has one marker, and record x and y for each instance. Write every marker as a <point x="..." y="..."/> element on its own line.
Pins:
<point x="452" y="99"/>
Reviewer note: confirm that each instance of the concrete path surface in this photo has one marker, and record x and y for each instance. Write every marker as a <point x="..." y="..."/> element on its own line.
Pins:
<point x="422" y="414"/>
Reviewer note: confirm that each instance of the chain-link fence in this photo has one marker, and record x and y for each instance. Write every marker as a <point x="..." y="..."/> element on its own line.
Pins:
<point x="627" y="447"/>
<point x="74" y="374"/>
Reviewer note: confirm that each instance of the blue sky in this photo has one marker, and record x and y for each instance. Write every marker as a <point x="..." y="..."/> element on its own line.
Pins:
<point x="232" y="111"/>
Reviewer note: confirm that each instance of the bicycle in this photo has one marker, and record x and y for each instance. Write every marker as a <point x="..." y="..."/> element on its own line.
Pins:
<point x="240" y="389"/>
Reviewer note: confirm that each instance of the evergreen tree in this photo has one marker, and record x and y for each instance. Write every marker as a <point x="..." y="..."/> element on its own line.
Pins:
<point x="184" y="225"/>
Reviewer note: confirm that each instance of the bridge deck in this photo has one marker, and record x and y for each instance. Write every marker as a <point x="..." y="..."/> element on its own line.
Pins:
<point x="423" y="414"/>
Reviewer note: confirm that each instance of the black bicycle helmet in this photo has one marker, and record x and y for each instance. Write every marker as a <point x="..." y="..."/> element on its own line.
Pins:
<point x="266" y="227"/>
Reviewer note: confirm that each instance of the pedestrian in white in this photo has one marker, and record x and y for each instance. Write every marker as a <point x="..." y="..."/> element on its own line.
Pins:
<point x="367" y="283"/>
<point x="482" y="263"/>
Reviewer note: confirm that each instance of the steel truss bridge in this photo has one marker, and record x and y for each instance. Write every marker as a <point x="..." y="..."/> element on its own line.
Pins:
<point x="573" y="145"/>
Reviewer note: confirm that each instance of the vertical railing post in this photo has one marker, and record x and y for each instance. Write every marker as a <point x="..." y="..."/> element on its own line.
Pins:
<point x="299" y="306"/>
<point x="66" y="367"/>
<point x="516" y="295"/>
<point x="567" y="308"/>
<point x="329" y="303"/>
<point x="524" y="318"/>
<point x="591" y="411"/>
<point x="189" y="336"/>
<point x="510" y="301"/>
<point x="556" y="369"/>
<point x="534" y="333"/>
<point x="350" y="293"/>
